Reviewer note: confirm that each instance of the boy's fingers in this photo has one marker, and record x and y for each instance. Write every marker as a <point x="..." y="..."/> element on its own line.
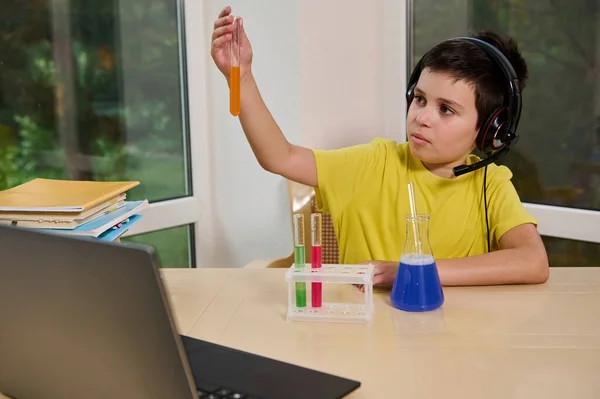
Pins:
<point x="242" y="30"/>
<point x="377" y="279"/>
<point x="223" y="21"/>
<point x="221" y="41"/>
<point x="223" y="30"/>
<point x="225" y="11"/>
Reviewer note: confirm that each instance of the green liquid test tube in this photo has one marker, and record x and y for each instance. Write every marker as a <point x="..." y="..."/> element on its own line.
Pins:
<point x="299" y="258"/>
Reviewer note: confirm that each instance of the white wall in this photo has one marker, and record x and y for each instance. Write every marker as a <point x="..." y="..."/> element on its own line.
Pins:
<point x="332" y="74"/>
<point x="352" y="57"/>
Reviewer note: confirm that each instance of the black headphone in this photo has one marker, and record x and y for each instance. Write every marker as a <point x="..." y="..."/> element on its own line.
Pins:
<point x="497" y="135"/>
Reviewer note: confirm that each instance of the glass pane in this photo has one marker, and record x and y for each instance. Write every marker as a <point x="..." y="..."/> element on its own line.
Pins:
<point x="557" y="160"/>
<point x="172" y="245"/>
<point x="563" y="253"/>
<point x="92" y="90"/>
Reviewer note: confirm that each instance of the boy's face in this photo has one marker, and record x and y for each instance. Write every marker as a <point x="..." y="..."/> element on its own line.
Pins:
<point x="442" y="119"/>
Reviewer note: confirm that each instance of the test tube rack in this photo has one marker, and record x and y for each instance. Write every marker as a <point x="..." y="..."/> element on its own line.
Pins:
<point x="331" y="274"/>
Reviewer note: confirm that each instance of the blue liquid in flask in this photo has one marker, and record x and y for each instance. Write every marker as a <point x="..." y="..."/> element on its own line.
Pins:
<point x="417" y="287"/>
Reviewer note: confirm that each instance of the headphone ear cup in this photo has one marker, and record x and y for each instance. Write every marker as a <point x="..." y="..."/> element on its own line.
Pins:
<point x="492" y="134"/>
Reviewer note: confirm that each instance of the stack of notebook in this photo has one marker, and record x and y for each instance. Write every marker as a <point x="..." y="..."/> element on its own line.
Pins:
<point x="82" y="208"/>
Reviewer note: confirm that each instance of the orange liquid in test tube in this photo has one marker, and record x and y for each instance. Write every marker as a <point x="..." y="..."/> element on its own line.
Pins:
<point x="234" y="70"/>
<point x="234" y="90"/>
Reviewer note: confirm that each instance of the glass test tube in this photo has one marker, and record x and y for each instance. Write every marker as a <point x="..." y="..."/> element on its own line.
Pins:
<point x="234" y="69"/>
<point x="316" y="223"/>
<point x="299" y="258"/>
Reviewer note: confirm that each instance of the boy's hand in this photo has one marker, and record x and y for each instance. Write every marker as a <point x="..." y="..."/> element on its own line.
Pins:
<point x="222" y="41"/>
<point x="384" y="272"/>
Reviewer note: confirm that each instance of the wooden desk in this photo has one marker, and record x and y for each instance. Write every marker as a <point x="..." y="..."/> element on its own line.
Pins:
<point x="537" y="341"/>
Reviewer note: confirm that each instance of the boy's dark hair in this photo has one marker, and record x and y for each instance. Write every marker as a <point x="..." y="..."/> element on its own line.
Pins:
<point x="467" y="62"/>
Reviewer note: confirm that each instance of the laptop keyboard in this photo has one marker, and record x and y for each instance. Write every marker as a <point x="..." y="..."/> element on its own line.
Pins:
<point x="210" y="391"/>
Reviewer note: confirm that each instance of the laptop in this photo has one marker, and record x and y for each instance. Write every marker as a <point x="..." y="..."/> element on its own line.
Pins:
<point x="81" y="318"/>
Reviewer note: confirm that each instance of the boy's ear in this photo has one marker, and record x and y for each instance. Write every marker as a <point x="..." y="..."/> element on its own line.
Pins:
<point x="475" y="136"/>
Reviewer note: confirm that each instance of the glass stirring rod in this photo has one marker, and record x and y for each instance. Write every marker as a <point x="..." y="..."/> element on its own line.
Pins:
<point x="316" y="256"/>
<point x="299" y="258"/>
<point x="234" y="69"/>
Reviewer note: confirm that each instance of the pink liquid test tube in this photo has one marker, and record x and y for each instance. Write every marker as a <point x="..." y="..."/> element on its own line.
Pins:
<point x="316" y="257"/>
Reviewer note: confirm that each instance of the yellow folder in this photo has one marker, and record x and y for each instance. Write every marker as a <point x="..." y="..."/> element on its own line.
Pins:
<point x="48" y="195"/>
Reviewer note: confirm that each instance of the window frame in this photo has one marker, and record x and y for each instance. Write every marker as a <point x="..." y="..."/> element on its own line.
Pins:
<point x="194" y="208"/>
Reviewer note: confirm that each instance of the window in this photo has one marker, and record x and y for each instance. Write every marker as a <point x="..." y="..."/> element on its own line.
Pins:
<point x="174" y="246"/>
<point x="563" y="252"/>
<point x="92" y="91"/>
<point x="96" y="90"/>
<point x="557" y="160"/>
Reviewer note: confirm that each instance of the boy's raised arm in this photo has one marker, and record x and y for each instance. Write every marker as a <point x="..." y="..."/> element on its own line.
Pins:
<point x="272" y="150"/>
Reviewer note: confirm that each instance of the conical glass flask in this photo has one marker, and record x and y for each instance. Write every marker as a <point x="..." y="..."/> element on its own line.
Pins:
<point x="417" y="286"/>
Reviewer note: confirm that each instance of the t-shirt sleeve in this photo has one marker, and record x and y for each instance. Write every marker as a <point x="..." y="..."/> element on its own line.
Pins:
<point x="341" y="173"/>
<point x="505" y="208"/>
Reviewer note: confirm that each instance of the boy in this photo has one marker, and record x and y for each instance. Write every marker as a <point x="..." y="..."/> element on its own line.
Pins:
<point x="364" y="187"/>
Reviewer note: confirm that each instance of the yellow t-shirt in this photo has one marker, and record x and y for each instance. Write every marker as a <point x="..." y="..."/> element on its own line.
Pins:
<point x="365" y="190"/>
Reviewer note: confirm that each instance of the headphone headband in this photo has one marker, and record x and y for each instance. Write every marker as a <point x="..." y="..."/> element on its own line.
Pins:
<point x="512" y="105"/>
<point x="513" y="99"/>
